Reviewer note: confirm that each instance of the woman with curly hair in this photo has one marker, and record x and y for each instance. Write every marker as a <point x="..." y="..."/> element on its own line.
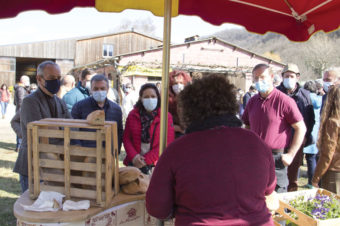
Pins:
<point x="142" y="130"/>
<point x="211" y="176"/>
<point x="177" y="81"/>
<point x="328" y="166"/>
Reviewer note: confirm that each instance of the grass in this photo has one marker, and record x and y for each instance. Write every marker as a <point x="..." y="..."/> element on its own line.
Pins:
<point x="9" y="184"/>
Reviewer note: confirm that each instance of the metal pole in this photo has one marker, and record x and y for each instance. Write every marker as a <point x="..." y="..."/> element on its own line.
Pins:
<point x="165" y="81"/>
<point x="165" y="75"/>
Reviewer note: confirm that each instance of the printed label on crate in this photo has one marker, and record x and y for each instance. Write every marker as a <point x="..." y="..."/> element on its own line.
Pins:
<point x="105" y="219"/>
<point x="131" y="214"/>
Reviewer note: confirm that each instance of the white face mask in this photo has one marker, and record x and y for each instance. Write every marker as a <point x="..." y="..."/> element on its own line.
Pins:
<point x="88" y="85"/>
<point x="177" y="88"/>
<point x="289" y="83"/>
<point x="150" y="104"/>
<point x="326" y="86"/>
<point x="99" y="96"/>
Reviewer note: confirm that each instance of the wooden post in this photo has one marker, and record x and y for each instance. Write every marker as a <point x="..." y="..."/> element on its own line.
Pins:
<point x="99" y="144"/>
<point x="115" y="158"/>
<point x="36" y="182"/>
<point x="108" y="165"/>
<point x="29" y="159"/>
<point x="67" y="167"/>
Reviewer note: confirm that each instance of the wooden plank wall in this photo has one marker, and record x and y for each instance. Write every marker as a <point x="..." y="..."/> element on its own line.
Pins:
<point x="7" y="71"/>
<point x="57" y="49"/>
<point x="90" y="50"/>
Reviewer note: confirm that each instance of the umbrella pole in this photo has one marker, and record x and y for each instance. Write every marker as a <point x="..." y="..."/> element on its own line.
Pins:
<point x="165" y="81"/>
<point x="165" y="75"/>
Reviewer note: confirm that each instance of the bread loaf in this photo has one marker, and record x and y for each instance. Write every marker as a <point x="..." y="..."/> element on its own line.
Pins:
<point x="96" y="118"/>
<point x="139" y="186"/>
<point x="128" y="174"/>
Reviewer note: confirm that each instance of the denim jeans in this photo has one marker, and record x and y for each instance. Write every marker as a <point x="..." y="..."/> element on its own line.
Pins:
<point x="23" y="182"/>
<point x="18" y="143"/>
<point x="3" y="107"/>
<point x="311" y="160"/>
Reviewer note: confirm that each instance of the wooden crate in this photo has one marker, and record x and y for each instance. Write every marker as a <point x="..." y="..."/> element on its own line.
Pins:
<point x="59" y="166"/>
<point x="303" y="219"/>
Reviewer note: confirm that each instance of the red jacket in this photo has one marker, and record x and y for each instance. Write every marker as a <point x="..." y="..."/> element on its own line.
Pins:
<point x="133" y="132"/>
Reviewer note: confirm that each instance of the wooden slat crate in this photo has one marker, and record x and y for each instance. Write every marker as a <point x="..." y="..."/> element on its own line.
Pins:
<point x="54" y="164"/>
<point x="302" y="219"/>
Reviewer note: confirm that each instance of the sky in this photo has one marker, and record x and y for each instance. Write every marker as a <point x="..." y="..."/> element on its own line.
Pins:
<point x="36" y="25"/>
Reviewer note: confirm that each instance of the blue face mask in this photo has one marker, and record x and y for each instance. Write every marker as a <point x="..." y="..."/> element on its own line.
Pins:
<point x="99" y="96"/>
<point x="262" y="86"/>
<point x="289" y="83"/>
<point x="52" y="86"/>
<point x="150" y="104"/>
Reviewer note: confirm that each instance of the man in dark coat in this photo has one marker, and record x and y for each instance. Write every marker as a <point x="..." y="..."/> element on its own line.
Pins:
<point x="21" y="90"/>
<point x="293" y="89"/>
<point x="99" y="101"/>
<point x="43" y="103"/>
<point x="248" y="95"/>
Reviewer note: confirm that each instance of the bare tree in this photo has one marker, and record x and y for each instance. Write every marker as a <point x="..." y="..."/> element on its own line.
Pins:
<point x="320" y="53"/>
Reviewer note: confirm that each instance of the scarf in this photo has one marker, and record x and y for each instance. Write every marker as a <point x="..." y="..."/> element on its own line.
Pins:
<point x="146" y="119"/>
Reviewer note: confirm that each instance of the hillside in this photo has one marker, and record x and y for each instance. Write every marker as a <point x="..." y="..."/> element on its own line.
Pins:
<point x="313" y="57"/>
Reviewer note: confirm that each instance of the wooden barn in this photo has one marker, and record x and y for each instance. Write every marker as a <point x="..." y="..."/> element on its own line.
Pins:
<point x="20" y="59"/>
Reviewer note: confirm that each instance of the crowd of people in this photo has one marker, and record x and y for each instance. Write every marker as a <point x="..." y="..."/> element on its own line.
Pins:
<point x="225" y="152"/>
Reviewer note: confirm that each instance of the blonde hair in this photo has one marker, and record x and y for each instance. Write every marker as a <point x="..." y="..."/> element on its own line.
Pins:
<point x="331" y="109"/>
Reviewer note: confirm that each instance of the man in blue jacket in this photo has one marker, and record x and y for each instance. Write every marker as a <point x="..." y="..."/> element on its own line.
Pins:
<point x="292" y="88"/>
<point x="81" y="91"/>
<point x="98" y="101"/>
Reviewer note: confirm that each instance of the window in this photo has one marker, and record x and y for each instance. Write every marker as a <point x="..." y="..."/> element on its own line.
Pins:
<point x="107" y="50"/>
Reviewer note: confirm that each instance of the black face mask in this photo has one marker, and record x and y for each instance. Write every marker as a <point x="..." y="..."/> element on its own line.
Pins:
<point x="52" y="86"/>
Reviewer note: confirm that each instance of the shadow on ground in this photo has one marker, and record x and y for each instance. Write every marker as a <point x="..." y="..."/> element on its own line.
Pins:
<point x="7" y="146"/>
<point x="7" y="164"/>
<point x="6" y="212"/>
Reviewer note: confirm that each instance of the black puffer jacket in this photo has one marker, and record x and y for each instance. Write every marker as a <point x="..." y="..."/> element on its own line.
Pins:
<point x="304" y="103"/>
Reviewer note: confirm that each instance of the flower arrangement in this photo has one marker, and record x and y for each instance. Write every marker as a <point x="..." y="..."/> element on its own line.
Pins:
<point x="320" y="207"/>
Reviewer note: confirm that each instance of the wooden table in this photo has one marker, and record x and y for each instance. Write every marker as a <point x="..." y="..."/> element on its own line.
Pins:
<point x="134" y="205"/>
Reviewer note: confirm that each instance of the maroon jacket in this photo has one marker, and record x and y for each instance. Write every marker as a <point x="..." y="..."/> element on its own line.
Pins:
<point x="133" y="132"/>
<point x="217" y="176"/>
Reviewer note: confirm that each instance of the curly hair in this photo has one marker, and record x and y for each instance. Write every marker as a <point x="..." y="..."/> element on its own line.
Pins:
<point x="331" y="109"/>
<point x="206" y="97"/>
<point x="139" y="103"/>
<point x="310" y="86"/>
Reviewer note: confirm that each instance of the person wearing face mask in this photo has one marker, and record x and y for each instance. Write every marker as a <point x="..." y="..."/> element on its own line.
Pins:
<point x="177" y="81"/>
<point x="43" y="103"/>
<point x="99" y="101"/>
<point x="129" y="100"/>
<point x="329" y="78"/>
<point x="142" y="130"/>
<point x="271" y="114"/>
<point x="291" y="87"/>
<point x="81" y="91"/>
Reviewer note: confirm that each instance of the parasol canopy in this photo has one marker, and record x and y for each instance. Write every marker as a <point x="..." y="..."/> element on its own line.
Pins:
<point x="296" y="19"/>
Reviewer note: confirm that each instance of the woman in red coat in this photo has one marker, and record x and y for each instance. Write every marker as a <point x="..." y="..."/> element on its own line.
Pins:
<point x="142" y="130"/>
